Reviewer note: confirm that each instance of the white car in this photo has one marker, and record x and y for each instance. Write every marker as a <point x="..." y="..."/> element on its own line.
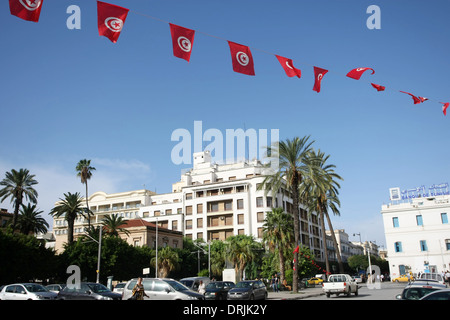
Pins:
<point x="26" y="291"/>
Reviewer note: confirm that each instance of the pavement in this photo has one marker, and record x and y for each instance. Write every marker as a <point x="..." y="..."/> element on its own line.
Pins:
<point x="301" y="294"/>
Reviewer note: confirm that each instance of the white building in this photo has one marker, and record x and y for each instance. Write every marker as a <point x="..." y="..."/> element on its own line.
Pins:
<point x="417" y="231"/>
<point x="213" y="201"/>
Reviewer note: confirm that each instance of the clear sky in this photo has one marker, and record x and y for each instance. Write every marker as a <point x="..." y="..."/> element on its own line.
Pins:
<point x="68" y="95"/>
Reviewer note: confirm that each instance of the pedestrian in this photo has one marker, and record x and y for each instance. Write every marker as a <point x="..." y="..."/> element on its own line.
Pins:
<point x="202" y="287"/>
<point x="138" y="292"/>
<point x="274" y="283"/>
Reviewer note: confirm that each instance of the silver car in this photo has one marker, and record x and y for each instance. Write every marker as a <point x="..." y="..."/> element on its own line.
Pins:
<point x="162" y="289"/>
<point x="26" y="291"/>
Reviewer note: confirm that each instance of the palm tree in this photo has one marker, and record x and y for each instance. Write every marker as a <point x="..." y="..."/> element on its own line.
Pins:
<point x="70" y="207"/>
<point x="113" y="224"/>
<point x="29" y="221"/>
<point x="17" y="185"/>
<point x="168" y="260"/>
<point x="240" y="251"/>
<point x="293" y="166"/>
<point x="320" y="194"/>
<point x="84" y="169"/>
<point x="277" y="233"/>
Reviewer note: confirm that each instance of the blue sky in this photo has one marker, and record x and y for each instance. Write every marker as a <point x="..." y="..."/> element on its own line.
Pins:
<point x="68" y="95"/>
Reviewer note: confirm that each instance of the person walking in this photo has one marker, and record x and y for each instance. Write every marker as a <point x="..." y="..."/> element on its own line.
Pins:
<point x="202" y="287"/>
<point x="138" y="292"/>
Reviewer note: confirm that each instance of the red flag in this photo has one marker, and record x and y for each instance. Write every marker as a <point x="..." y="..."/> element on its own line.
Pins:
<point x="182" y="41"/>
<point x="288" y="67"/>
<point x="318" y="75"/>
<point x="241" y="58"/>
<point x="29" y="10"/>
<point x="378" y="87"/>
<point x="357" y="73"/>
<point x="296" y="249"/>
<point x="111" y="19"/>
<point x="423" y="99"/>
<point x="416" y="100"/>
<point x="444" y="107"/>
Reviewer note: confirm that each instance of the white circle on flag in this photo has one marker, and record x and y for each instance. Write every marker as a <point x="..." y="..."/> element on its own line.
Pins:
<point x="287" y="64"/>
<point x="319" y="77"/>
<point x="361" y="69"/>
<point x="242" y="58"/>
<point x="184" y="44"/>
<point x="31" y="5"/>
<point x="114" y="24"/>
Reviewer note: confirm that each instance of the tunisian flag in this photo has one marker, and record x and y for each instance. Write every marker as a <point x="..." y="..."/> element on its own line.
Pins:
<point x="241" y="58"/>
<point x="318" y="75"/>
<point x="29" y="10"/>
<point x="111" y="19"/>
<point x="378" y="87"/>
<point x="288" y="67"/>
<point x="444" y="107"/>
<point x="357" y="73"/>
<point x="416" y="100"/>
<point x="182" y="41"/>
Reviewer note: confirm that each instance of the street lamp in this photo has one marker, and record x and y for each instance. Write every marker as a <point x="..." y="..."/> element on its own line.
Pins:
<point x="99" y="251"/>
<point x="368" y="252"/>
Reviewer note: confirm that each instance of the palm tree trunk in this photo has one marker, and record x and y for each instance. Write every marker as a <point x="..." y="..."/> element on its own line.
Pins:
<point x="324" y="240"/>
<point x="282" y="263"/>
<point x="87" y="206"/>
<point x="17" y="204"/>
<point x="70" y="224"/>
<point x="338" y="254"/>
<point x="295" y="195"/>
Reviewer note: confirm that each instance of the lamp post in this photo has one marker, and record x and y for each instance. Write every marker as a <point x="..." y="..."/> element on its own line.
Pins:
<point x="368" y="252"/>
<point x="156" y="263"/>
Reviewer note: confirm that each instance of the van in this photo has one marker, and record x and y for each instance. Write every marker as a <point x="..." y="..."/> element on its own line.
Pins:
<point x="194" y="282"/>
<point x="432" y="276"/>
<point x="162" y="289"/>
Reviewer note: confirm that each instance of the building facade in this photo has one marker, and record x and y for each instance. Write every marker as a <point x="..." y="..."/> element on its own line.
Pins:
<point x="417" y="233"/>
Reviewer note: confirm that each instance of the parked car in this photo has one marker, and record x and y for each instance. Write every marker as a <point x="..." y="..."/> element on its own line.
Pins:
<point x="358" y="278"/>
<point x="403" y="278"/>
<point x="340" y="283"/>
<point x="194" y="282"/>
<point x="313" y="281"/>
<point x="432" y="276"/>
<point x="88" y="291"/>
<point x="26" y="291"/>
<point x="162" y="289"/>
<point x="418" y="289"/>
<point x="248" y="290"/>
<point x="118" y="288"/>
<point x="218" y="290"/>
<point x="443" y="294"/>
<point x="55" y="287"/>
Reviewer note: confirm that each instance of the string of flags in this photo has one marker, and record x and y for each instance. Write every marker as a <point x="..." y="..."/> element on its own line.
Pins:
<point x="111" y="19"/>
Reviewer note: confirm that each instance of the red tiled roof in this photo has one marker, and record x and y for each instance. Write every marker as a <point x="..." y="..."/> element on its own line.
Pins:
<point x="137" y="223"/>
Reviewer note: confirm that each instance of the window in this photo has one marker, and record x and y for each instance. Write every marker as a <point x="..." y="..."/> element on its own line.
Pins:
<point x="419" y="220"/>
<point x="240" y="219"/>
<point x="444" y="218"/>
<point x="398" y="246"/>
<point x="199" y="223"/>
<point x="228" y="205"/>
<point x="259" y="202"/>
<point x="395" y="222"/>
<point x="269" y="201"/>
<point x="188" y="196"/>
<point x="447" y="244"/>
<point x="423" y="245"/>
<point x="240" y="203"/>
<point x="260" y="216"/>
<point x="188" y="210"/>
<point x="188" y="224"/>
<point x="175" y="225"/>
<point x="200" y="208"/>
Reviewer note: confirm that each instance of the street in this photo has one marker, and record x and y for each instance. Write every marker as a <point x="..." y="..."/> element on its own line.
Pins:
<point x="387" y="291"/>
